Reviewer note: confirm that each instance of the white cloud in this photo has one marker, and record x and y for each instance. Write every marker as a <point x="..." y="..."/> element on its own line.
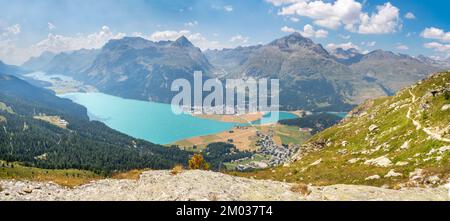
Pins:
<point x="50" y="26"/>
<point x="437" y="57"/>
<point x="308" y="31"/>
<point x="346" y="37"/>
<point x="369" y="44"/>
<point x="284" y="2"/>
<point x="436" y="33"/>
<point x="228" y="8"/>
<point x="239" y="39"/>
<point x="410" y="16"/>
<point x="294" y="19"/>
<point x="386" y="20"/>
<point x="196" y="38"/>
<point x="287" y="29"/>
<point x="191" y="24"/>
<point x="329" y="15"/>
<point x="58" y="43"/>
<point x="8" y="49"/>
<point x="11" y="30"/>
<point x="346" y="13"/>
<point x="168" y="35"/>
<point x="137" y="34"/>
<point x="344" y="46"/>
<point x="402" y="47"/>
<point x="203" y="43"/>
<point x="10" y="53"/>
<point x="438" y="47"/>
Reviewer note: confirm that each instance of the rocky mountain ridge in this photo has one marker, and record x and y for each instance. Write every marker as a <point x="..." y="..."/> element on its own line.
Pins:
<point x="205" y="186"/>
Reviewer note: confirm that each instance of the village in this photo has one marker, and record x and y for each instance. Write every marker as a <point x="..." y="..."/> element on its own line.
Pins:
<point x="277" y="154"/>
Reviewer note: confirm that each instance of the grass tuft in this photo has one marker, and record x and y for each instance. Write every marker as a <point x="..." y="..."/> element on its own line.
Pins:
<point x="301" y="188"/>
<point x="67" y="177"/>
<point x="129" y="175"/>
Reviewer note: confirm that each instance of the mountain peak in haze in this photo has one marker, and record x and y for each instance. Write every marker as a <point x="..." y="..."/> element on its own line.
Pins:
<point x="295" y="40"/>
<point x="434" y="61"/>
<point x="131" y="42"/>
<point x="182" y="42"/>
<point x="38" y="62"/>
<point x="142" y="69"/>
<point x="381" y="52"/>
<point x="346" y="56"/>
<point x="292" y="39"/>
<point x="349" y="50"/>
<point x="9" y="69"/>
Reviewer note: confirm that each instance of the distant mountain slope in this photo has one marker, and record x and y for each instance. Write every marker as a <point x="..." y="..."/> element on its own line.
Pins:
<point x="396" y="141"/>
<point x="65" y="63"/>
<point x="10" y="69"/>
<point x="17" y="71"/>
<point x="435" y="62"/>
<point x="141" y="69"/>
<point x="347" y="57"/>
<point x="71" y="63"/>
<point x="37" y="63"/>
<point x="392" y="71"/>
<point x="82" y="145"/>
<point x="23" y="94"/>
<point x="310" y="78"/>
<point x="230" y="60"/>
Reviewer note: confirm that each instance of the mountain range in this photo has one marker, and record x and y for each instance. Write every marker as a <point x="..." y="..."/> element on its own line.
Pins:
<point x="311" y="77"/>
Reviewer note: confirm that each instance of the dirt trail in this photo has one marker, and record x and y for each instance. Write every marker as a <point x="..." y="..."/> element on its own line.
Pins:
<point x="430" y="133"/>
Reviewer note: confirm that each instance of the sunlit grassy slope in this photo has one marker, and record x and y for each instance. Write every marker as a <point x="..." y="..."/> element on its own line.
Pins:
<point x="340" y="153"/>
<point x="69" y="177"/>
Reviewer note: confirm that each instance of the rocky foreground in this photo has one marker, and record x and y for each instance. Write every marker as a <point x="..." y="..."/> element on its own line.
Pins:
<point x="205" y="185"/>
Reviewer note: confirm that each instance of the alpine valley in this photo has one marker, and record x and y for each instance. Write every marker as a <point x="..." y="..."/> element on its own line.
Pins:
<point x="70" y="128"/>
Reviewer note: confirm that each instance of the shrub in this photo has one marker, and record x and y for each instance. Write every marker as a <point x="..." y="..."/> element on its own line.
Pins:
<point x="176" y="170"/>
<point x="301" y="188"/>
<point x="197" y="162"/>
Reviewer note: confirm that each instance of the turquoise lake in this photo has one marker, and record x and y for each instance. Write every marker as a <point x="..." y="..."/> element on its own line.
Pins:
<point x="154" y="122"/>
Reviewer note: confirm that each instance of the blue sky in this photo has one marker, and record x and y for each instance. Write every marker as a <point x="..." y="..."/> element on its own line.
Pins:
<point x="29" y="27"/>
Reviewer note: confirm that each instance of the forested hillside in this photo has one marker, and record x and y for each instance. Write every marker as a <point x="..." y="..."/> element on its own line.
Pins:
<point x="83" y="144"/>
